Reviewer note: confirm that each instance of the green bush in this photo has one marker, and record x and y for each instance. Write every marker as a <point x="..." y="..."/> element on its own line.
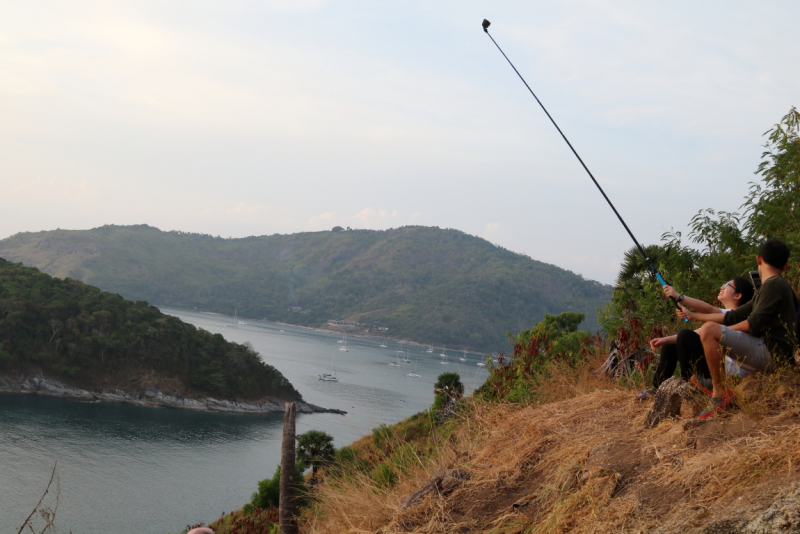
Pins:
<point x="269" y="490"/>
<point x="383" y="475"/>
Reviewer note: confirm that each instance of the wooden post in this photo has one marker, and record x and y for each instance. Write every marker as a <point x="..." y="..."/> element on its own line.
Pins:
<point x="288" y="499"/>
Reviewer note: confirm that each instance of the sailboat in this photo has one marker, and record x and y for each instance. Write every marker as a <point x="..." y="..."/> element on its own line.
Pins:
<point x="343" y="348"/>
<point x="393" y="363"/>
<point x="430" y="349"/>
<point x="443" y="355"/>
<point x="414" y="374"/>
<point x="343" y="338"/>
<point x="332" y="376"/>
<point x="383" y="344"/>
<point x="444" y="362"/>
<point x="403" y="357"/>
<point x="464" y="357"/>
<point x="234" y="316"/>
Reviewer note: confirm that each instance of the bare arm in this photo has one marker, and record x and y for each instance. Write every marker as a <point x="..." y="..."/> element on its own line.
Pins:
<point x="661" y="341"/>
<point x="744" y="326"/>
<point x="704" y="317"/>
<point x="695" y="304"/>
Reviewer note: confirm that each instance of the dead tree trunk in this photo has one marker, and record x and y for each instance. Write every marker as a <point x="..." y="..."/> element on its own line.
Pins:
<point x="288" y="497"/>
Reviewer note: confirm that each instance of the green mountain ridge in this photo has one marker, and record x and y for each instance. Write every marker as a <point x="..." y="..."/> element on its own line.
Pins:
<point x="429" y="284"/>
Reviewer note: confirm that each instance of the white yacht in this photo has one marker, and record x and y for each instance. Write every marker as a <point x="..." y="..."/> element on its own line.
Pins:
<point x="414" y="374"/>
<point x="443" y="355"/>
<point x="332" y="376"/>
<point x="343" y="348"/>
<point x="444" y="362"/>
<point x="403" y="357"/>
<point x="464" y="357"/>
<point x="430" y="349"/>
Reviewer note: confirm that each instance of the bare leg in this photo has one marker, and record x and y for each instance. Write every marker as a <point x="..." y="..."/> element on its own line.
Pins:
<point x="710" y="334"/>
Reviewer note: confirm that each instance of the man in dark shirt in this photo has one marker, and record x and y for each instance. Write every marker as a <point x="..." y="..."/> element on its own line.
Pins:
<point x="758" y="335"/>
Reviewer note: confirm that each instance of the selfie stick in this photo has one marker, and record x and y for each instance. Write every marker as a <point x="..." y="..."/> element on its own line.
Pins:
<point x="658" y="276"/>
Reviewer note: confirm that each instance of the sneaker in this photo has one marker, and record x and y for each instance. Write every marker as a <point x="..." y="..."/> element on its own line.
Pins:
<point x="717" y="405"/>
<point x="650" y="392"/>
<point x="703" y="384"/>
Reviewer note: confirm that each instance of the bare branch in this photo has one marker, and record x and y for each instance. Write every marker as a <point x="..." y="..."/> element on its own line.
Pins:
<point x="35" y="508"/>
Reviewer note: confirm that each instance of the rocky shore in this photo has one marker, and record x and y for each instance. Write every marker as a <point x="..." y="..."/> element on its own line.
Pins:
<point x="42" y="385"/>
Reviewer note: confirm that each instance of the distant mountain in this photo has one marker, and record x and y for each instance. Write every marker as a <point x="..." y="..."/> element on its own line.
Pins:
<point x="429" y="284"/>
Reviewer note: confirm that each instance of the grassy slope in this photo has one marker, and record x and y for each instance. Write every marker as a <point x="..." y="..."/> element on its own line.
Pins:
<point x="434" y="285"/>
<point x="583" y="462"/>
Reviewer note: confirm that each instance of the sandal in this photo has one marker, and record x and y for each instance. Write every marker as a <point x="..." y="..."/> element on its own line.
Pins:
<point x="649" y="392"/>
<point x="717" y="405"/>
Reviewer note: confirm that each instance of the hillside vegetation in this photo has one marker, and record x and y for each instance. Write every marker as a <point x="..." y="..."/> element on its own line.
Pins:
<point x="549" y="444"/>
<point x="428" y="284"/>
<point x="94" y="339"/>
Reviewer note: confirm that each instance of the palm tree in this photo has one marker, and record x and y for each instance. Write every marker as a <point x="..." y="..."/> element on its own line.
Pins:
<point x="315" y="449"/>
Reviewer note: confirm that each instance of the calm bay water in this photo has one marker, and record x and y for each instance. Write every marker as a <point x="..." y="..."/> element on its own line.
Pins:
<point x="128" y="469"/>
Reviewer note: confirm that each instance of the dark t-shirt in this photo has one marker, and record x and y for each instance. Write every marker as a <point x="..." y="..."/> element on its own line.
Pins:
<point x="771" y="315"/>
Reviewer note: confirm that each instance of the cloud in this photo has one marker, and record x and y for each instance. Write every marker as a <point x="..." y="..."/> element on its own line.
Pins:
<point x="372" y="218"/>
<point x="492" y="231"/>
<point x="321" y="220"/>
<point x="243" y="208"/>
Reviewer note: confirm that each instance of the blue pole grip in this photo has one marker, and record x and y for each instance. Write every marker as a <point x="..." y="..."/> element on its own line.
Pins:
<point x="663" y="283"/>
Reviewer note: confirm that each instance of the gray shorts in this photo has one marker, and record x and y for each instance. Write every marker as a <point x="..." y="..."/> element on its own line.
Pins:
<point x="749" y="351"/>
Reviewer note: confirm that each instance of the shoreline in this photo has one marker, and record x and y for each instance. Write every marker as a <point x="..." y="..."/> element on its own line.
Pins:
<point x="326" y="330"/>
<point x="150" y="397"/>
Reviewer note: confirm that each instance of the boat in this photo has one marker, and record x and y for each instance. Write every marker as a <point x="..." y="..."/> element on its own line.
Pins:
<point x="393" y="363"/>
<point x="464" y="357"/>
<point x="383" y="344"/>
<point x="443" y="355"/>
<point x="481" y="364"/>
<point x="281" y="331"/>
<point x="235" y="317"/>
<point x="444" y="362"/>
<point x="402" y="355"/>
<point x="430" y="349"/>
<point x="231" y="325"/>
<point x="330" y="377"/>
<point x="343" y="338"/>
<point x="343" y="348"/>
<point x="414" y="374"/>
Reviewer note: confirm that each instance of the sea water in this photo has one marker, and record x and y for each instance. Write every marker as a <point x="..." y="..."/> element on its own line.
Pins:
<point x="130" y="469"/>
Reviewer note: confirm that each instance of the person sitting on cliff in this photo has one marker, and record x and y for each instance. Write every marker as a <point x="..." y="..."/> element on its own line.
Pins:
<point x="685" y="347"/>
<point x="760" y="335"/>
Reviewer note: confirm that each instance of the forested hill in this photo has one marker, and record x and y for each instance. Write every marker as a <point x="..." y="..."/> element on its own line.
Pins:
<point x="94" y="339"/>
<point x="425" y="283"/>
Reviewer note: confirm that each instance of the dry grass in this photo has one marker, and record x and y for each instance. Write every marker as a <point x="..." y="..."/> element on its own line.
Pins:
<point x="583" y="463"/>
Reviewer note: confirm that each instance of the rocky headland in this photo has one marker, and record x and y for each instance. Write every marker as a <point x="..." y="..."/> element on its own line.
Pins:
<point x="146" y="396"/>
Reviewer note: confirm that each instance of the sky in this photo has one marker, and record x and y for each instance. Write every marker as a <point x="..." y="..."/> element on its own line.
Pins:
<point x="238" y="118"/>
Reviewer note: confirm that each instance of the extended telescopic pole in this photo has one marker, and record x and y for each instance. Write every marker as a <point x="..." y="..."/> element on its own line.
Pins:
<point x="486" y="24"/>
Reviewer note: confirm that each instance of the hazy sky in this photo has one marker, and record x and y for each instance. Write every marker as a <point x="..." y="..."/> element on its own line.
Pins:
<point x="278" y="116"/>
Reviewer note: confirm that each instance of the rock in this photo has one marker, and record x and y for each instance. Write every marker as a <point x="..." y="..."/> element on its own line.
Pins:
<point x="670" y="396"/>
<point x="41" y="385"/>
<point x="783" y="516"/>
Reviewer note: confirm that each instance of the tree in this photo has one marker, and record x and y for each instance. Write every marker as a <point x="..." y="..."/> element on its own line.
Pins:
<point x="337" y="229"/>
<point x="449" y="386"/>
<point x="315" y="449"/>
